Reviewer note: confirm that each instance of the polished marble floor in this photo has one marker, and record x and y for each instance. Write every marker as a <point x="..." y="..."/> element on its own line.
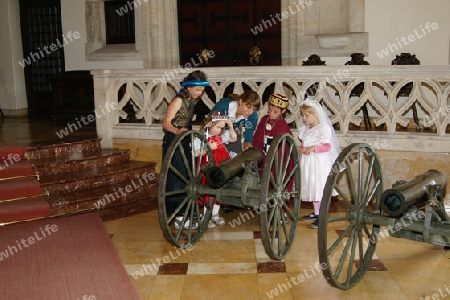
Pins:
<point x="26" y="131"/>
<point x="230" y="262"/>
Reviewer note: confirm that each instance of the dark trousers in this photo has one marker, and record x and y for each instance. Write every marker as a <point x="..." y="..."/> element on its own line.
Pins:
<point x="174" y="182"/>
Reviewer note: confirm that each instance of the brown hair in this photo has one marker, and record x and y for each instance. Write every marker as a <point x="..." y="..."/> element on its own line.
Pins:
<point x="208" y="118"/>
<point x="194" y="75"/>
<point x="248" y="97"/>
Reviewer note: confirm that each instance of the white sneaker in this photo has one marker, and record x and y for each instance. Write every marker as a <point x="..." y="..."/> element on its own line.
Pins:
<point x="286" y="219"/>
<point x="218" y="220"/>
<point x="211" y="224"/>
<point x="178" y="223"/>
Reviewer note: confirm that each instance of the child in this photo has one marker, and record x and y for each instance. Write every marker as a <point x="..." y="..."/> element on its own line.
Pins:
<point x="318" y="150"/>
<point x="178" y="119"/>
<point x="218" y="137"/>
<point x="272" y="124"/>
<point x="242" y="110"/>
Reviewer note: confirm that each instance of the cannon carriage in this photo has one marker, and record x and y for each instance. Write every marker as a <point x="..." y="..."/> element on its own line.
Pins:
<point x="264" y="185"/>
<point x="348" y="237"/>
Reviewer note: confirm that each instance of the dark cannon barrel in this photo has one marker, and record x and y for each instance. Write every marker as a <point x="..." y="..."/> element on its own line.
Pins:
<point x="397" y="200"/>
<point x="219" y="175"/>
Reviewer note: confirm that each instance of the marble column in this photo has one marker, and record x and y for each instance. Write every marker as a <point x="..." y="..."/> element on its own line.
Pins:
<point x="356" y="15"/>
<point x="95" y="26"/>
<point x="158" y="36"/>
<point x="292" y="26"/>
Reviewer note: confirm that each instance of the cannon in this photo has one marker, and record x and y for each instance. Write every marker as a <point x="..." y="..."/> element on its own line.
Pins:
<point x="347" y="239"/>
<point x="405" y="194"/>
<point x="247" y="181"/>
<point x="219" y="175"/>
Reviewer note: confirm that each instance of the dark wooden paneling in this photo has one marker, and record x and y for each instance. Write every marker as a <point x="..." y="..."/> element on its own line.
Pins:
<point x="44" y="56"/>
<point x="119" y="17"/>
<point x="225" y="27"/>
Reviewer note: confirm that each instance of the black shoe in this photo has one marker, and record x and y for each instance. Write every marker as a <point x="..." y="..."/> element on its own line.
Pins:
<point x="314" y="224"/>
<point x="311" y="216"/>
<point x="227" y="210"/>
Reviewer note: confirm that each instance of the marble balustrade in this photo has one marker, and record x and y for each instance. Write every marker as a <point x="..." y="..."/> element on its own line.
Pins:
<point x="390" y="110"/>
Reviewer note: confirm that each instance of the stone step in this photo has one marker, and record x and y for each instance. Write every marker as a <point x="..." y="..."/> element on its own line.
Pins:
<point x="105" y="197"/>
<point x="63" y="147"/>
<point x="75" y="174"/>
<point x="24" y="209"/>
<point x="17" y="188"/>
<point x="96" y="176"/>
<point x="76" y="162"/>
<point x="138" y="206"/>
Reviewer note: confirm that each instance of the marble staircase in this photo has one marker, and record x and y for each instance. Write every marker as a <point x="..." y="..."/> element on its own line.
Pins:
<point x="78" y="175"/>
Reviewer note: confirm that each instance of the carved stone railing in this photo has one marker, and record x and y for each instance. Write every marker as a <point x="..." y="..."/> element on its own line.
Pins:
<point x="140" y="99"/>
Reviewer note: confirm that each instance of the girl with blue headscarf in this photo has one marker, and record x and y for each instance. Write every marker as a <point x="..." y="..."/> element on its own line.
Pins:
<point x="178" y="119"/>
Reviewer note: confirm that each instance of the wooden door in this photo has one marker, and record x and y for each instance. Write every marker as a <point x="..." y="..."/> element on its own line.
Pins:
<point x="43" y="52"/>
<point x="229" y="28"/>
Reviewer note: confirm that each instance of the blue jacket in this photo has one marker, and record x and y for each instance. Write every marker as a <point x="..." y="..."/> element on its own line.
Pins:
<point x="250" y="123"/>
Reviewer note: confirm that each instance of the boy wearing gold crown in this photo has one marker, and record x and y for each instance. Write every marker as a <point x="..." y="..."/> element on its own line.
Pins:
<point x="272" y="124"/>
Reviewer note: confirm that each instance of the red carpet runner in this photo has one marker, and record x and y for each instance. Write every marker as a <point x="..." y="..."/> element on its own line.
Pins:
<point x="17" y="183"/>
<point x="62" y="258"/>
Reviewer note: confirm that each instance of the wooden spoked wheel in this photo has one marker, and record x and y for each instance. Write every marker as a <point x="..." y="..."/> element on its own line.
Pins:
<point x="346" y="238"/>
<point x="180" y="191"/>
<point x="280" y="197"/>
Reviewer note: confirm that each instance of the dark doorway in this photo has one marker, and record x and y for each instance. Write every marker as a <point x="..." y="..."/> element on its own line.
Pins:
<point x="229" y="28"/>
<point x="42" y="41"/>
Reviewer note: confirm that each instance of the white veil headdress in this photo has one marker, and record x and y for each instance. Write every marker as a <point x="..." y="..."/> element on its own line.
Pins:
<point x="323" y="119"/>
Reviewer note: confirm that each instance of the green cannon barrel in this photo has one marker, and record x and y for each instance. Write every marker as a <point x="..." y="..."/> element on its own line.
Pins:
<point x="397" y="200"/>
<point x="219" y="175"/>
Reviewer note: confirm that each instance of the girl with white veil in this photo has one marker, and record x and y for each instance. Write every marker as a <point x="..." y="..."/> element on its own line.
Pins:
<point x="318" y="150"/>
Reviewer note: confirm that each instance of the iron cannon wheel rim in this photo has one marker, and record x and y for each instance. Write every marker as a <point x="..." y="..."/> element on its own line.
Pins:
<point x="282" y="152"/>
<point x="338" y="255"/>
<point x="182" y="145"/>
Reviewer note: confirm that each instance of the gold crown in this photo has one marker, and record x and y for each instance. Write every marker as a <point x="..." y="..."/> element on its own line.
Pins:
<point x="279" y="100"/>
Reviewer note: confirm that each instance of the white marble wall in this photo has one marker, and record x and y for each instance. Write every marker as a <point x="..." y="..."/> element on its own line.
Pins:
<point x="333" y="28"/>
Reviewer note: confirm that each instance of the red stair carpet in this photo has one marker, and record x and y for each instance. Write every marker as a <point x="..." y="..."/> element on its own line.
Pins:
<point x="62" y="258"/>
<point x="20" y="192"/>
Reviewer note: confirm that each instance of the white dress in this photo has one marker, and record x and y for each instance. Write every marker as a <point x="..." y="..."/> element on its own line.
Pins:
<point x="315" y="166"/>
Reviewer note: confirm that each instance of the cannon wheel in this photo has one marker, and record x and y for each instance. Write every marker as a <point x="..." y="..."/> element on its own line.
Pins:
<point x="191" y="198"/>
<point x="281" y="172"/>
<point x="346" y="242"/>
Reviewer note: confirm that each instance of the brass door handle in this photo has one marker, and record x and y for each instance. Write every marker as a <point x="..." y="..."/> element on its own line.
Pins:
<point x="204" y="56"/>
<point x="255" y="55"/>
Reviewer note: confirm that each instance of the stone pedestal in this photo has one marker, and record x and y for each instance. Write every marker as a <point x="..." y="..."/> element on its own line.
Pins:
<point x="328" y="28"/>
